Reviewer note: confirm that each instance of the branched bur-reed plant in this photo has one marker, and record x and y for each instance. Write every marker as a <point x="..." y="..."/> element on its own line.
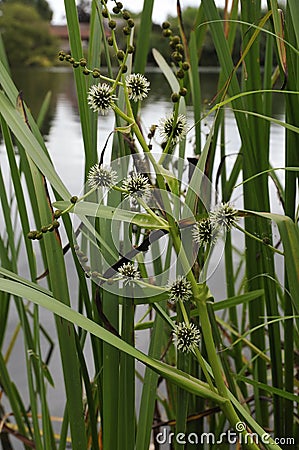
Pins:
<point x="146" y="234"/>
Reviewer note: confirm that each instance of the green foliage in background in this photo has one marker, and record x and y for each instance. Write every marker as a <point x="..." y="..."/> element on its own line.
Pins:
<point x="26" y="35"/>
<point x="42" y="6"/>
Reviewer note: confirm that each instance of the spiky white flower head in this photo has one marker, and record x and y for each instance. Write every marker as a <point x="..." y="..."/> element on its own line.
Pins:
<point x="137" y="186"/>
<point x="129" y="273"/>
<point x="100" y="98"/>
<point x="204" y="232"/>
<point x="168" y="127"/>
<point x="99" y="175"/>
<point x="180" y="289"/>
<point x="186" y="337"/>
<point x="224" y="216"/>
<point x="138" y="86"/>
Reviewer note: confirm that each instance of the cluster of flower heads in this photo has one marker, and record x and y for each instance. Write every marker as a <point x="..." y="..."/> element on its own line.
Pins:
<point x="101" y="176"/>
<point x="129" y="273"/>
<point x="101" y="98"/>
<point x="137" y="186"/>
<point x="186" y="337"/>
<point x="206" y="231"/>
<point x="138" y="86"/>
<point x="224" y="216"/>
<point x="179" y="290"/>
<point x="174" y="129"/>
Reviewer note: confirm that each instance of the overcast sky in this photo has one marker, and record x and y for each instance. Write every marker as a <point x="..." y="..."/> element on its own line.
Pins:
<point x="161" y="8"/>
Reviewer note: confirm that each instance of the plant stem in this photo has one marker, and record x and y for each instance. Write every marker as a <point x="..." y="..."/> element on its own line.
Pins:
<point x="200" y="299"/>
<point x="151" y="213"/>
<point x="243" y="230"/>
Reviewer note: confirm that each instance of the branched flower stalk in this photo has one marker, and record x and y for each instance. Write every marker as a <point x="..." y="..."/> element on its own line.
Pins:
<point x="200" y="298"/>
<point x="199" y="293"/>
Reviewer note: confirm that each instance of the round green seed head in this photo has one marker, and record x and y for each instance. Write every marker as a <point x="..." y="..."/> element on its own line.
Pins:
<point x="96" y="73"/>
<point x="186" y="66"/>
<point x="179" y="48"/>
<point x="180" y="74"/>
<point x="126" y="31"/>
<point x="131" y="23"/>
<point x="176" y="39"/>
<point x="57" y="213"/>
<point x="176" y="56"/>
<point x="175" y="97"/>
<point x="167" y="33"/>
<point x="126" y="15"/>
<point x="165" y="25"/>
<point x="131" y="49"/>
<point x="74" y="199"/>
<point x="112" y="24"/>
<point x="183" y="92"/>
<point x="120" y="55"/>
<point x="32" y="234"/>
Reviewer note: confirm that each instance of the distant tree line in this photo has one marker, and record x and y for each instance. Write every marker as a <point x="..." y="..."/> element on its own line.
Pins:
<point x="25" y="30"/>
<point x="41" y="6"/>
<point x="207" y="54"/>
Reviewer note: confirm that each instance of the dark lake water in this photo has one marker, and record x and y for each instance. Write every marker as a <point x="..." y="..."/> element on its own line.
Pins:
<point x="62" y="126"/>
<point x="64" y="141"/>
